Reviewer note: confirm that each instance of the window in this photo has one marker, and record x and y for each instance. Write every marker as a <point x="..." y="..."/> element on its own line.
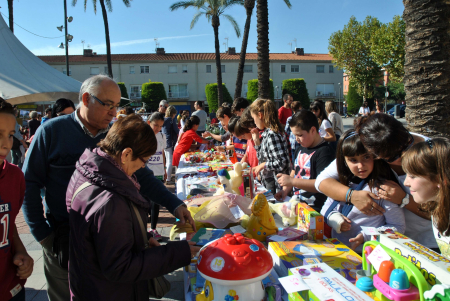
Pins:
<point x="135" y="91"/>
<point x="131" y="69"/>
<point x="331" y="69"/>
<point x="173" y="69"/>
<point x="222" y="68"/>
<point x="178" y="91"/>
<point x="106" y="70"/>
<point x="208" y="68"/>
<point x="283" y="68"/>
<point x="295" y="68"/>
<point x="145" y="69"/>
<point x="325" y="90"/>
<point x="320" y="69"/>
<point x="248" y="68"/>
<point x="65" y="71"/>
<point x="184" y="68"/>
<point x="94" y="70"/>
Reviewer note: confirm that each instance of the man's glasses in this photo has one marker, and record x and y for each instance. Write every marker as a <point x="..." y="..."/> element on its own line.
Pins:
<point x="143" y="161"/>
<point x="105" y="105"/>
<point x="410" y="143"/>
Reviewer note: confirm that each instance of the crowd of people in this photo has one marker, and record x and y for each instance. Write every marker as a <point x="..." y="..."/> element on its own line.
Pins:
<point x="101" y="179"/>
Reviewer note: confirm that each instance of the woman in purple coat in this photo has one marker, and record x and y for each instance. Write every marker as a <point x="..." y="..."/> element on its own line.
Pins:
<point x="108" y="259"/>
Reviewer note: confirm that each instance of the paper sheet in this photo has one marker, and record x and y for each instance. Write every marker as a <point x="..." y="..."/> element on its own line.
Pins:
<point x="293" y="283"/>
<point x="277" y="238"/>
<point x="237" y="229"/>
<point x="377" y="256"/>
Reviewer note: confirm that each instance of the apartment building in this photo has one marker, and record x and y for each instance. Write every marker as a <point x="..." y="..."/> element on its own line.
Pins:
<point x="185" y="75"/>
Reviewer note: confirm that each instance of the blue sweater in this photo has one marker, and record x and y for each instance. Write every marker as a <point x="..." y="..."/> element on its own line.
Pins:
<point x="50" y="163"/>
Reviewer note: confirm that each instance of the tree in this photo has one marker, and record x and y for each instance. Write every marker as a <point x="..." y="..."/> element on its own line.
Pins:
<point x="388" y="48"/>
<point x="297" y="88"/>
<point x="427" y="68"/>
<point x="153" y="93"/>
<point x="105" y="21"/>
<point x="213" y="10"/>
<point x="262" y="14"/>
<point x="253" y="90"/>
<point x="351" y="51"/>
<point x="212" y="96"/>
<point x="123" y="93"/>
<point x="249" y="5"/>
<point x="354" y="99"/>
<point x="11" y="15"/>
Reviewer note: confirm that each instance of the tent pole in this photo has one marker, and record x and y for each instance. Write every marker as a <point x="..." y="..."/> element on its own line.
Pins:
<point x="67" y="44"/>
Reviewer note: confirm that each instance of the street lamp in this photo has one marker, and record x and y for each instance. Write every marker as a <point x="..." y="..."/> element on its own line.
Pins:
<point x="276" y="87"/>
<point x="67" y="37"/>
<point x="339" y="98"/>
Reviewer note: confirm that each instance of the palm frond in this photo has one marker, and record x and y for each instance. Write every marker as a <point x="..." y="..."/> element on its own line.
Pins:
<point x="196" y="17"/>
<point x="127" y="3"/>
<point x="229" y="3"/>
<point x="183" y="4"/>
<point x="108" y="5"/>
<point x="288" y="3"/>
<point x="235" y="24"/>
<point x="95" y="6"/>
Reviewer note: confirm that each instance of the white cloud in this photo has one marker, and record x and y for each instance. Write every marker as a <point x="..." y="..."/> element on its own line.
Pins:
<point x="101" y="48"/>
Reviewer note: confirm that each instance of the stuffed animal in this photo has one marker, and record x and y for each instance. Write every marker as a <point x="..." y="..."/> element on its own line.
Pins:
<point x="261" y="223"/>
<point x="224" y="178"/>
<point x="236" y="178"/>
<point x="287" y="211"/>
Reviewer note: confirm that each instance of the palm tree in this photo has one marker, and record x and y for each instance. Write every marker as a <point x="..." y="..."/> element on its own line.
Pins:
<point x="249" y="5"/>
<point x="212" y="9"/>
<point x="262" y="13"/>
<point x="105" y="21"/>
<point x="427" y="72"/>
<point x="11" y="16"/>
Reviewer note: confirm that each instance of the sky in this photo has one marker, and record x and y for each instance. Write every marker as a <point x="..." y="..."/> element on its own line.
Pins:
<point x="133" y="29"/>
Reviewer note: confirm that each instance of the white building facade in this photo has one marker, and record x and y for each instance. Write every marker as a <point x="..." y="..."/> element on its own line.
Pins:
<point x="185" y="75"/>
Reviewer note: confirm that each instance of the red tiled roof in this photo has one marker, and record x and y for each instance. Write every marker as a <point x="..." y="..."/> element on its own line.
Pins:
<point x="182" y="57"/>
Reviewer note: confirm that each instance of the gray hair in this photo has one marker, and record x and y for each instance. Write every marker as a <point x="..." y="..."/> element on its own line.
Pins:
<point x="91" y="85"/>
<point x="163" y="103"/>
<point x="156" y="116"/>
<point x="33" y="114"/>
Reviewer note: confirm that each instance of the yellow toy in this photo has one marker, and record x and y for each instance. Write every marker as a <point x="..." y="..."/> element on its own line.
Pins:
<point x="261" y="222"/>
<point x="207" y="294"/>
<point x="236" y="178"/>
<point x="287" y="211"/>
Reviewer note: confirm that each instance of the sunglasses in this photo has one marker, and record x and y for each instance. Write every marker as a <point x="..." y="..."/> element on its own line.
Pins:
<point x="396" y="157"/>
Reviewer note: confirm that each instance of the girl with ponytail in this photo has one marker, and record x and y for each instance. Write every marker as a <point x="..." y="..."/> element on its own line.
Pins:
<point x="273" y="152"/>
<point x="187" y="138"/>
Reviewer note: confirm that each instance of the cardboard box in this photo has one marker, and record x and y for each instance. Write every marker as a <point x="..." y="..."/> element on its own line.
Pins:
<point x="310" y="221"/>
<point x="325" y="284"/>
<point x="292" y="254"/>
<point x="433" y="266"/>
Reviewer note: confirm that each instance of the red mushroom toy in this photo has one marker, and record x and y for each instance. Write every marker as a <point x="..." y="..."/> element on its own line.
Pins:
<point x="234" y="267"/>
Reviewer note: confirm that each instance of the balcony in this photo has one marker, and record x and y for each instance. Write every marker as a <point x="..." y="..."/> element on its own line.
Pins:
<point x="326" y="95"/>
<point x="178" y="95"/>
<point x="135" y="95"/>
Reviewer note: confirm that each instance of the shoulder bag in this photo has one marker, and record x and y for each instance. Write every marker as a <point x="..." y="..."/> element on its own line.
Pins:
<point x="159" y="286"/>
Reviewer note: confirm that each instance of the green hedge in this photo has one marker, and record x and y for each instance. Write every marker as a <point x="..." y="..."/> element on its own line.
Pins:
<point x="354" y="100"/>
<point x="124" y="93"/>
<point x="152" y="94"/>
<point x="252" y="90"/>
<point x="213" y="98"/>
<point x="297" y="88"/>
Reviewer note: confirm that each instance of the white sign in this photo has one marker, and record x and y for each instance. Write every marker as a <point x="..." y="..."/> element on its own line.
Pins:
<point x="377" y="256"/>
<point x="293" y="283"/>
<point x="370" y="230"/>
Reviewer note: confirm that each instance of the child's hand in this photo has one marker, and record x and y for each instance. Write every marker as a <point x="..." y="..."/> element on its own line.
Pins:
<point x="258" y="168"/>
<point x="284" y="180"/>
<point x="206" y="134"/>
<point x="346" y="225"/>
<point x="152" y="242"/>
<point x="255" y="136"/>
<point x="24" y="264"/>
<point x="356" y="241"/>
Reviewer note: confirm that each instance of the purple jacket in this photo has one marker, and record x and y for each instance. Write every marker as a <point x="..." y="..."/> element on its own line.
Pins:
<point x="107" y="256"/>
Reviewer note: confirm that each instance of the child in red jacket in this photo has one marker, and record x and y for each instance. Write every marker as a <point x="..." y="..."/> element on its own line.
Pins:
<point x="15" y="263"/>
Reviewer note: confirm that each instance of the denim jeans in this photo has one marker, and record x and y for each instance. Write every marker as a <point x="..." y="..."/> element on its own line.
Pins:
<point x="16" y="157"/>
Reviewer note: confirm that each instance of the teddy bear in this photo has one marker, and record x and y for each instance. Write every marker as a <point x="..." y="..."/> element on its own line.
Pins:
<point x="287" y="211"/>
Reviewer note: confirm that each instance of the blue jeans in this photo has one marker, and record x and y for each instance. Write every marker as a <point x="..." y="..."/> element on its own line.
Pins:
<point x="20" y="296"/>
<point x="16" y="156"/>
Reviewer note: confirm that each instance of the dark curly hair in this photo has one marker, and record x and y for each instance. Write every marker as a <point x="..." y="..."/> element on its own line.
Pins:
<point x="6" y="107"/>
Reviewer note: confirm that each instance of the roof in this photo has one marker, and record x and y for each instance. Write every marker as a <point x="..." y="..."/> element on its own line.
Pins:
<point x="24" y="78"/>
<point x="182" y="57"/>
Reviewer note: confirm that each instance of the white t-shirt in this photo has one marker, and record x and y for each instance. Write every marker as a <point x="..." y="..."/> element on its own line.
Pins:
<point x="182" y="123"/>
<point x="202" y="115"/>
<point x="442" y="241"/>
<point x="156" y="163"/>
<point x="363" y="110"/>
<point x="322" y="129"/>
<point x="336" y="121"/>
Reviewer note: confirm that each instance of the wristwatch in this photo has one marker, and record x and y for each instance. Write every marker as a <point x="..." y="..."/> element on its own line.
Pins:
<point x="405" y="201"/>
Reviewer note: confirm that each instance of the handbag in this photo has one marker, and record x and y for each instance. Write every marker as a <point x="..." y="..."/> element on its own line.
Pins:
<point x="157" y="287"/>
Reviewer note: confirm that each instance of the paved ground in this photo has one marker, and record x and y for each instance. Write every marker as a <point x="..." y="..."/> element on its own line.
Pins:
<point x="36" y="287"/>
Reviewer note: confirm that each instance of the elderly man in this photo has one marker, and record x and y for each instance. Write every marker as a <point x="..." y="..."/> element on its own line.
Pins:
<point x="200" y="113"/>
<point x="163" y="105"/>
<point x="55" y="149"/>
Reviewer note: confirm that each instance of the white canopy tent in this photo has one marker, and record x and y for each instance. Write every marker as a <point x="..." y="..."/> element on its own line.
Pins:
<point x="24" y="78"/>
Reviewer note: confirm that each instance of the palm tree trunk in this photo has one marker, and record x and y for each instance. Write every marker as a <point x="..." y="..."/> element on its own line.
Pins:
<point x="427" y="66"/>
<point x="249" y="5"/>
<point x="215" y="23"/>
<point x="108" y="45"/>
<point x="262" y="12"/>
<point x="11" y="15"/>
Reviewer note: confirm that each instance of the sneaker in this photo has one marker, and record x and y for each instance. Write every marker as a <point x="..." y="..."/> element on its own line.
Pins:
<point x="156" y="235"/>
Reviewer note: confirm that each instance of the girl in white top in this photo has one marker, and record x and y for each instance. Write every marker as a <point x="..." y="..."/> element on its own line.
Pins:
<point x="325" y="128"/>
<point x="428" y="178"/>
<point x="335" y="118"/>
<point x="364" y="110"/>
